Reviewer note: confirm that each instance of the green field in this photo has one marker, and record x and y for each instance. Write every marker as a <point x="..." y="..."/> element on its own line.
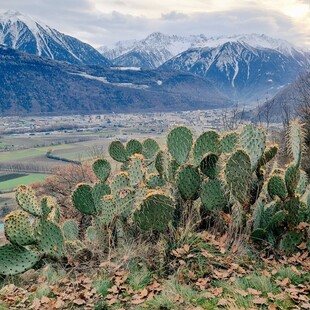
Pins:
<point x="24" y="179"/>
<point x="33" y="152"/>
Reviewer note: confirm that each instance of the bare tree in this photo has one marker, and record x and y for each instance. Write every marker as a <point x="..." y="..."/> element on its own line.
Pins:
<point x="233" y="118"/>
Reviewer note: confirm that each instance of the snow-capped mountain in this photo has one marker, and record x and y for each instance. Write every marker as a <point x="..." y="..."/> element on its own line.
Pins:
<point x="23" y="33"/>
<point x="241" y="70"/>
<point x="158" y="48"/>
<point x="150" y="52"/>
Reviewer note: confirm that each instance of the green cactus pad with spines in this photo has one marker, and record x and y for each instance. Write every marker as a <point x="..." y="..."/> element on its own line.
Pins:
<point x="54" y="215"/>
<point x="268" y="155"/>
<point x="16" y="259"/>
<point x="91" y="234"/>
<point x="154" y="180"/>
<point x="276" y="220"/>
<point x="118" y="152"/>
<point x="133" y="147"/>
<point x="136" y="169"/>
<point x="293" y="206"/>
<point x="108" y="210"/>
<point x="18" y="228"/>
<point x="47" y="205"/>
<point x="102" y="169"/>
<point x="292" y="176"/>
<point x="155" y="212"/>
<point x="120" y="181"/>
<point x="188" y="181"/>
<point x="290" y="241"/>
<point x="213" y="196"/>
<point x="229" y="142"/>
<point x="276" y="187"/>
<point x="208" y="142"/>
<point x="150" y="149"/>
<point x="125" y="166"/>
<point x="70" y="230"/>
<point x="160" y="159"/>
<point x="208" y="166"/>
<point x="179" y="143"/>
<point x="98" y="191"/>
<point x="238" y="174"/>
<point x="27" y="200"/>
<point x="303" y="183"/>
<point x="295" y="141"/>
<point x="75" y="248"/>
<point x="124" y="202"/>
<point x="83" y="199"/>
<point x="50" y="238"/>
<point x="253" y="140"/>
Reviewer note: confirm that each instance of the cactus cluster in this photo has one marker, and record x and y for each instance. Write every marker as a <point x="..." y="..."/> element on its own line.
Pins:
<point x="156" y="188"/>
<point x="33" y="232"/>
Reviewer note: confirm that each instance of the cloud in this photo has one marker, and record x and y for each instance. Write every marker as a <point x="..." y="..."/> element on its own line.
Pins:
<point x="173" y="15"/>
<point x="104" y="22"/>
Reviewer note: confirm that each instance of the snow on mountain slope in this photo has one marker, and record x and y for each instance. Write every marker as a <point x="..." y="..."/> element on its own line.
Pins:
<point x="241" y="70"/>
<point x="23" y="33"/>
<point x="158" y="48"/>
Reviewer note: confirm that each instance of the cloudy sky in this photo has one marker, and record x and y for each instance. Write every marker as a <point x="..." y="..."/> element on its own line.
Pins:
<point x="103" y="22"/>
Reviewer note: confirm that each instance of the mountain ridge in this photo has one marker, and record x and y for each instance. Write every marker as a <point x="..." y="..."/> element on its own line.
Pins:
<point x="25" y="34"/>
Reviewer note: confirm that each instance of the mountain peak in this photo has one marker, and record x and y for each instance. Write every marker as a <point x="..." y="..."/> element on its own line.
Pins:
<point x="24" y="33"/>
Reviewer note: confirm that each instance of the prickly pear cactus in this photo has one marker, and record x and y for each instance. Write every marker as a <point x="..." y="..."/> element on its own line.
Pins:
<point x="102" y="169"/>
<point x="50" y="238"/>
<point x="155" y="212"/>
<point x="136" y="170"/>
<point x="209" y="167"/>
<point x="118" y="152"/>
<point x="208" y="142"/>
<point x="253" y="140"/>
<point x="188" y="182"/>
<point x="120" y="181"/>
<point x="27" y="200"/>
<point x="133" y="147"/>
<point x="18" y="228"/>
<point x="295" y="141"/>
<point x="15" y="259"/>
<point x="98" y="191"/>
<point x="70" y="230"/>
<point x="238" y="174"/>
<point x="292" y="176"/>
<point x="83" y="199"/>
<point x="179" y="142"/>
<point x="229" y="142"/>
<point x="213" y="196"/>
<point x="276" y="187"/>
<point x="150" y="148"/>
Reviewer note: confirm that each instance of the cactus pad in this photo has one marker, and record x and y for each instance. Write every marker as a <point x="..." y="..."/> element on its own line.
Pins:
<point x="70" y="229"/>
<point x="208" y="142"/>
<point x="47" y="205"/>
<point x="118" y="152"/>
<point x="154" y="181"/>
<point x="83" y="199"/>
<point x="238" y="175"/>
<point x="179" y="142"/>
<point x="27" y="200"/>
<point x="208" y="166"/>
<point x="155" y="212"/>
<point x="102" y="169"/>
<point x="292" y="176"/>
<point x="290" y="241"/>
<point x="268" y="155"/>
<point x="229" y="142"/>
<point x="50" y="238"/>
<point x="212" y="195"/>
<point x="91" y="234"/>
<point x="18" y="228"/>
<point x="276" y="187"/>
<point x="15" y="259"/>
<point x="150" y="149"/>
<point x="188" y="181"/>
<point x="295" y="141"/>
<point x="133" y="147"/>
<point x="253" y="140"/>
<point x="120" y="181"/>
<point x="136" y="170"/>
<point x="98" y="191"/>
